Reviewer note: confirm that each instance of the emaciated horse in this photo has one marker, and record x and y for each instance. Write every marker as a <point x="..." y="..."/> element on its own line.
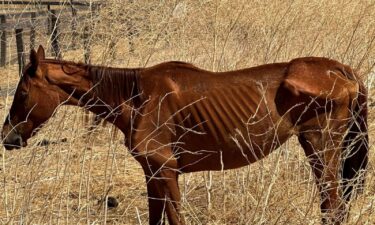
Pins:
<point x="165" y="112"/>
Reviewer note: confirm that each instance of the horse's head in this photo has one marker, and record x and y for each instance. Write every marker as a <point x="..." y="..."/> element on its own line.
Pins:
<point x="37" y="96"/>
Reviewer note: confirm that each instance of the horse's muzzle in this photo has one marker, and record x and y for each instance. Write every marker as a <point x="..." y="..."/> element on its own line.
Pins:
<point x="13" y="141"/>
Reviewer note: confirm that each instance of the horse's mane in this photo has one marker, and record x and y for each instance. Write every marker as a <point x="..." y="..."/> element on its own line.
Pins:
<point x="114" y="85"/>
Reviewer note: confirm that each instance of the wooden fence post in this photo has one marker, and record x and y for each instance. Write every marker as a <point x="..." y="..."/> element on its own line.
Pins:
<point x="32" y="30"/>
<point x="20" y="50"/>
<point x="74" y="25"/>
<point x="49" y="13"/>
<point x="86" y="33"/>
<point x="54" y="35"/>
<point x="86" y="44"/>
<point x="3" y="42"/>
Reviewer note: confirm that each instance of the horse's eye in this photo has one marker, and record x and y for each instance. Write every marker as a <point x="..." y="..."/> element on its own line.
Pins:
<point x="23" y="94"/>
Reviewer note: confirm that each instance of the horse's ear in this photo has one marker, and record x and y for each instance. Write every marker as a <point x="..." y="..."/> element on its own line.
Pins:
<point x="34" y="61"/>
<point x="40" y="53"/>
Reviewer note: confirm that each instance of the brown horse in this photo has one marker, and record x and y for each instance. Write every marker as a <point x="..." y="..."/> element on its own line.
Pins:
<point x="178" y="118"/>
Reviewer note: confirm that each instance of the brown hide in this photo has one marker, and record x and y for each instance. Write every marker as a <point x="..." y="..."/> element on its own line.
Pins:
<point x="178" y="118"/>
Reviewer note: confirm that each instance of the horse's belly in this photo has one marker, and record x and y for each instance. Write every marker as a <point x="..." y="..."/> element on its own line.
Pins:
<point x="199" y="152"/>
<point x="228" y="128"/>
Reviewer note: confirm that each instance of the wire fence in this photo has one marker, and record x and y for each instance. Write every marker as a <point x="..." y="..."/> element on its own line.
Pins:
<point x="62" y="25"/>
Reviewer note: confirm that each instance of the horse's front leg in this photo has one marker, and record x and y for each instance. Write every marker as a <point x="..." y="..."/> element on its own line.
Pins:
<point x="162" y="187"/>
<point x="151" y="145"/>
<point x="163" y="196"/>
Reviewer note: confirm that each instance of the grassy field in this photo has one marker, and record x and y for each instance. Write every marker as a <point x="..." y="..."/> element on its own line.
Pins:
<point x="66" y="180"/>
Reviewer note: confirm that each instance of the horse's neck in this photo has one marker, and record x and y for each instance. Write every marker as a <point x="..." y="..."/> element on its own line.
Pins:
<point x="114" y="93"/>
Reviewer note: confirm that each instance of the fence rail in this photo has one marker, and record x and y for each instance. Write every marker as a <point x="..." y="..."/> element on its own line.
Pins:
<point x="48" y="2"/>
<point x="43" y="17"/>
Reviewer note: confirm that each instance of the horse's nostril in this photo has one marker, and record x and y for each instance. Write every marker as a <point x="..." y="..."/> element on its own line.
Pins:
<point x="18" y="141"/>
<point x="13" y="141"/>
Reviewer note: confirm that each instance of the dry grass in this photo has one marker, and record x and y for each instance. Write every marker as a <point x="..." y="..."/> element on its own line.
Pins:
<point x="64" y="183"/>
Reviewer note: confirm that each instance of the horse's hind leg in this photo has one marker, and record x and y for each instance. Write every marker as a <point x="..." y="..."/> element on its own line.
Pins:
<point x="322" y="140"/>
<point x="325" y="162"/>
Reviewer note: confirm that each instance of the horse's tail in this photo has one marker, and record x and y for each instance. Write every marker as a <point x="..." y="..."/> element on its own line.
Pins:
<point x="356" y="146"/>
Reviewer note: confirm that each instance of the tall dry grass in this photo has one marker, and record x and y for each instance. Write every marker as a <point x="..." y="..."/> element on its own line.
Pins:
<point x="66" y="182"/>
